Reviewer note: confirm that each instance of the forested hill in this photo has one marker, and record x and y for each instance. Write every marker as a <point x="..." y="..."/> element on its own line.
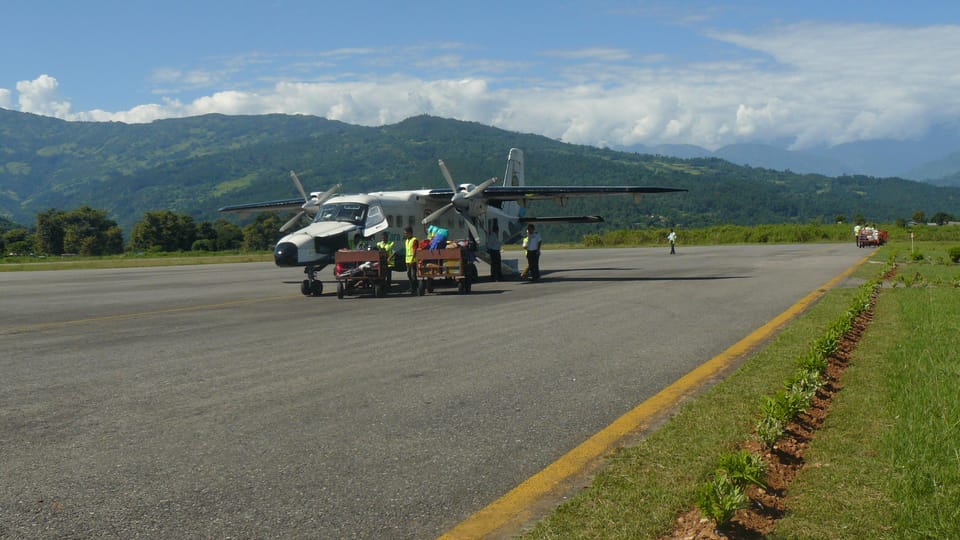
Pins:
<point x="195" y="165"/>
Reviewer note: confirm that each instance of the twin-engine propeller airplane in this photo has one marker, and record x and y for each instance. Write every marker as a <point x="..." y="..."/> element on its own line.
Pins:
<point x="337" y="218"/>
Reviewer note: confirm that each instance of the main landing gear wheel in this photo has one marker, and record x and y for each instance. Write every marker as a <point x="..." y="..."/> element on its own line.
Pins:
<point x="311" y="288"/>
<point x="379" y="290"/>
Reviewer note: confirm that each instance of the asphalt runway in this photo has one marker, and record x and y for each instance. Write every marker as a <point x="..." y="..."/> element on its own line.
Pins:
<point x="216" y="401"/>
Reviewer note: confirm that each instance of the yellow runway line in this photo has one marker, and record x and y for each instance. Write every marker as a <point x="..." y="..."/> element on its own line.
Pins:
<point x="517" y="507"/>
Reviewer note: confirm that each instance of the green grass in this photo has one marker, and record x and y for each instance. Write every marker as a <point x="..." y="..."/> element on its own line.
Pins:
<point x="16" y="264"/>
<point x="768" y="234"/>
<point x="885" y="465"/>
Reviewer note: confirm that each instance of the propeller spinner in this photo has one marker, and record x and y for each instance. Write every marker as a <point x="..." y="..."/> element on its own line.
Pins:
<point x="310" y="205"/>
<point x="467" y="202"/>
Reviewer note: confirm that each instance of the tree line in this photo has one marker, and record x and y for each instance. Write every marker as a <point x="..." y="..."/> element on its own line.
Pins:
<point x="88" y="231"/>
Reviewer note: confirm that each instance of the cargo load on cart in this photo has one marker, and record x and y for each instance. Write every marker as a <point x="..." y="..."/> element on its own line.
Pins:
<point x="449" y="266"/>
<point x="871" y="236"/>
<point x="360" y="271"/>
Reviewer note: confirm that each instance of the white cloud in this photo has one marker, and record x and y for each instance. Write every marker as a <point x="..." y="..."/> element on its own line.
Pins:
<point x="811" y="83"/>
<point x="5" y="98"/>
<point x="40" y="96"/>
<point x="836" y="83"/>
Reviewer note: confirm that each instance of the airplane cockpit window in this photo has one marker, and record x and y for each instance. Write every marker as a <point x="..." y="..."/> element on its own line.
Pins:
<point x="347" y="212"/>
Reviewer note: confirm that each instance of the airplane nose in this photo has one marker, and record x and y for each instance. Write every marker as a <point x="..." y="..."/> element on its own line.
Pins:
<point x="285" y="254"/>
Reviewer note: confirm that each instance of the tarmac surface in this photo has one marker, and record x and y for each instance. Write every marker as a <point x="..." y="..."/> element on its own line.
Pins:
<point x="217" y="401"/>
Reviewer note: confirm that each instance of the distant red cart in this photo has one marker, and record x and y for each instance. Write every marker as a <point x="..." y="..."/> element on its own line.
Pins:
<point x="871" y="237"/>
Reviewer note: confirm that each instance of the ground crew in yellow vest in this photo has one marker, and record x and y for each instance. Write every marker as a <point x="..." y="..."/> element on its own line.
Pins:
<point x="410" y="257"/>
<point x="385" y="244"/>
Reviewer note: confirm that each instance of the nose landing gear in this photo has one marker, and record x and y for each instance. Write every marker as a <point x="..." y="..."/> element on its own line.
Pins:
<point x="311" y="286"/>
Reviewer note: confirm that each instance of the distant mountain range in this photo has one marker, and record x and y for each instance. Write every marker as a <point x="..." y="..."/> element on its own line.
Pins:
<point x="196" y="165"/>
<point x="934" y="159"/>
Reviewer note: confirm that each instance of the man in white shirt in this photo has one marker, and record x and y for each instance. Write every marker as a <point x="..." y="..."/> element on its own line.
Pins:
<point x="672" y="237"/>
<point x="532" y="244"/>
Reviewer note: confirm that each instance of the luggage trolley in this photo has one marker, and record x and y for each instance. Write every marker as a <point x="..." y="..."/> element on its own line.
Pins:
<point x="361" y="270"/>
<point x="451" y="265"/>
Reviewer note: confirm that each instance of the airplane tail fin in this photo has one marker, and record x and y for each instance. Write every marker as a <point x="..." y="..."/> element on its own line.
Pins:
<point x="513" y="177"/>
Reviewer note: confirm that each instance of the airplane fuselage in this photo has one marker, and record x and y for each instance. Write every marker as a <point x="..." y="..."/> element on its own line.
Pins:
<point x="342" y="217"/>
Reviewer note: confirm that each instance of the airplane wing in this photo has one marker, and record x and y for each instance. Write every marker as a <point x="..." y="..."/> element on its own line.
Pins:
<point x="283" y="204"/>
<point x="521" y="193"/>
<point x="560" y="192"/>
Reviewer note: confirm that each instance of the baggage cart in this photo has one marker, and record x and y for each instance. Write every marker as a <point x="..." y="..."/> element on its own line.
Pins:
<point x="361" y="271"/>
<point x="450" y="266"/>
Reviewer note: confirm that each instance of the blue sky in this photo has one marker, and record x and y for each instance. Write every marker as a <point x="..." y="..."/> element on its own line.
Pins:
<point x="604" y="73"/>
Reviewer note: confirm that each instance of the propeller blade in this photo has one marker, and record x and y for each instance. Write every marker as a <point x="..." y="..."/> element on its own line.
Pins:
<point x="313" y="204"/>
<point x="299" y="186"/>
<point x="470" y="225"/>
<point x="479" y="189"/>
<point x="436" y="215"/>
<point x="446" y="174"/>
<point x="292" y="221"/>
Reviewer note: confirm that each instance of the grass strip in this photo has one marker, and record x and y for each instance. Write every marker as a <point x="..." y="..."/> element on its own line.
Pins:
<point x="643" y="488"/>
<point x="887" y="463"/>
<point x="21" y="264"/>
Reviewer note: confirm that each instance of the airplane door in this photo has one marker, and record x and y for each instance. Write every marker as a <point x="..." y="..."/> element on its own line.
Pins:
<point x="376" y="221"/>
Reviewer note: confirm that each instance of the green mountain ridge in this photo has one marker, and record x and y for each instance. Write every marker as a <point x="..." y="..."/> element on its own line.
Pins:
<point x="198" y="164"/>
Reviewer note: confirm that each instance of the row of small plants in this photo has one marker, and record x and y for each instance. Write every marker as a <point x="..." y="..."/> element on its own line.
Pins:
<point x="725" y="493"/>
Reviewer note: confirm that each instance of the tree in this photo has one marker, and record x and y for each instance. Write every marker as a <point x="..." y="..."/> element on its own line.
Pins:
<point x="85" y="231"/>
<point x="840" y="218"/>
<point x="164" y="231"/>
<point x="858" y="219"/>
<point x="88" y="232"/>
<point x="18" y="241"/>
<point x="205" y="231"/>
<point x="941" y="218"/>
<point x="262" y="234"/>
<point x="227" y="235"/>
<point x="49" y="235"/>
<point x="920" y="217"/>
